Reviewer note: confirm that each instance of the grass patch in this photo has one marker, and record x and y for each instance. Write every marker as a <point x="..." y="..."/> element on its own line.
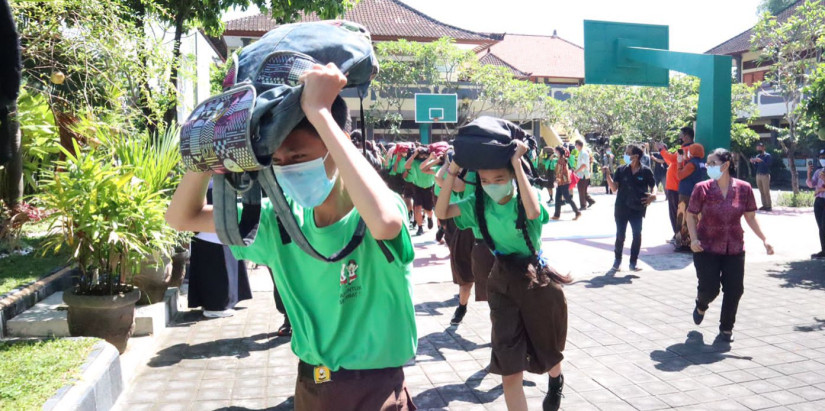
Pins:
<point x="31" y="372"/>
<point x="803" y="199"/>
<point x="17" y="270"/>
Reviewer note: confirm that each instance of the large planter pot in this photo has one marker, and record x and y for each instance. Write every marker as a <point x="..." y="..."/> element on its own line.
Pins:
<point x="111" y="317"/>
<point x="179" y="260"/>
<point x="152" y="281"/>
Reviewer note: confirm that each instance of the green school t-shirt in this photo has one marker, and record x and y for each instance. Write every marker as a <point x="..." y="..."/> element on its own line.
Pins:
<point x="437" y="190"/>
<point x="357" y="313"/>
<point x="501" y="223"/>
<point x="418" y="177"/>
<point x="551" y="164"/>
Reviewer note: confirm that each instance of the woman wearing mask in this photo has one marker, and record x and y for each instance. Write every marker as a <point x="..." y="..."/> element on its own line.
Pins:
<point x="717" y="238"/>
<point x="816" y="180"/>
<point x="563" y="182"/>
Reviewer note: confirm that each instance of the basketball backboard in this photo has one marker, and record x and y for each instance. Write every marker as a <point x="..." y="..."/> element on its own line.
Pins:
<point x="432" y="108"/>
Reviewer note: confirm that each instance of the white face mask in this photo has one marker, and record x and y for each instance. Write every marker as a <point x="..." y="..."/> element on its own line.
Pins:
<point x="822" y="162"/>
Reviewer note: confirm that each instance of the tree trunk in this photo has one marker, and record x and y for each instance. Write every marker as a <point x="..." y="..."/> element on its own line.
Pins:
<point x="64" y="123"/>
<point x="172" y="110"/>
<point x="791" y="154"/>
<point x="11" y="185"/>
<point x="145" y="91"/>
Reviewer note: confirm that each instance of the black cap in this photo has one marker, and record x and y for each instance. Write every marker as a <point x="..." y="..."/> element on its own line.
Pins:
<point x="760" y="144"/>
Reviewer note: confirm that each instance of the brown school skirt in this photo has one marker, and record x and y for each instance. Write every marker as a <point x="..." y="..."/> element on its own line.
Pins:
<point x="460" y="243"/>
<point x="529" y="324"/>
<point x="382" y="390"/>
<point x="482" y="264"/>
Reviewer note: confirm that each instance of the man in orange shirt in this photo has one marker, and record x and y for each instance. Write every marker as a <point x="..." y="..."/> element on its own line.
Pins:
<point x="671" y="186"/>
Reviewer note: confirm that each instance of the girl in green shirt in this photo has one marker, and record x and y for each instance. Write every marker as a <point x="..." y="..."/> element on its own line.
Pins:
<point x="527" y="305"/>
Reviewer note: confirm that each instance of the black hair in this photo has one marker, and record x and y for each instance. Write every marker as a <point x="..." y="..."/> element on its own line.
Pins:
<point x="562" y="151"/>
<point x="340" y="113"/>
<point x="579" y="143"/>
<point x="725" y="156"/>
<point x="688" y="131"/>
<point x="636" y="150"/>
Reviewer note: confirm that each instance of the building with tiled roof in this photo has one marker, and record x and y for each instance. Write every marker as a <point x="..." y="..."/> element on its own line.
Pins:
<point x="493" y="60"/>
<point x="750" y="69"/>
<point x="387" y="20"/>
<point x="545" y="59"/>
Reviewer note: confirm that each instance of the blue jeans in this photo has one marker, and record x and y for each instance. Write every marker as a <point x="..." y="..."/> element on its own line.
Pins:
<point x="635" y="219"/>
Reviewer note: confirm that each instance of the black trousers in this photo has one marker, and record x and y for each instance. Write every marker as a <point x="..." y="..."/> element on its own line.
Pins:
<point x="635" y="219"/>
<point x="672" y="207"/>
<point x="563" y="196"/>
<point x="727" y="271"/>
<point x="819" y="214"/>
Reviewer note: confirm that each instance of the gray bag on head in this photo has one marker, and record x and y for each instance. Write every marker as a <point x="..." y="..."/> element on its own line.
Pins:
<point x="236" y="133"/>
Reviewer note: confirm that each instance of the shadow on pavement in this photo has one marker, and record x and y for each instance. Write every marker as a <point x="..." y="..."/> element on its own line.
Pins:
<point x="430" y="307"/>
<point x="466" y="392"/>
<point x="693" y="351"/>
<point x="819" y="325"/>
<point x="808" y="274"/>
<point x="287" y="405"/>
<point x="609" y="278"/>
<point x="432" y="344"/>
<point x="238" y="347"/>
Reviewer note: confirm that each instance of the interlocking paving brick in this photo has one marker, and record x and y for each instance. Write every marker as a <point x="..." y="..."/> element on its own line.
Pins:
<point x="631" y="341"/>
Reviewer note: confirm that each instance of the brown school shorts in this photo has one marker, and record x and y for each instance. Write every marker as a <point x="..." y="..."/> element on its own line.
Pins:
<point x="423" y="197"/>
<point x="409" y="189"/>
<point x="529" y="325"/>
<point x="460" y="243"/>
<point x="482" y="264"/>
<point x="374" y="390"/>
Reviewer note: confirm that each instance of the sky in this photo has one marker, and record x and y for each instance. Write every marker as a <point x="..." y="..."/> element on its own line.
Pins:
<point x="695" y="25"/>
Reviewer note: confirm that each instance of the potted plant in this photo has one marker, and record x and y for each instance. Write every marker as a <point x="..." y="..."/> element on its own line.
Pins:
<point x="154" y="160"/>
<point x="104" y="215"/>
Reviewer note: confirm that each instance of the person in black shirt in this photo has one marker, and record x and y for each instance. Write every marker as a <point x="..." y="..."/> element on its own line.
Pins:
<point x="633" y="183"/>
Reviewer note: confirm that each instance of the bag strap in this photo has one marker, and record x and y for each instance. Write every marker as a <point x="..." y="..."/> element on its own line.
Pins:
<point x="521" y="223"/>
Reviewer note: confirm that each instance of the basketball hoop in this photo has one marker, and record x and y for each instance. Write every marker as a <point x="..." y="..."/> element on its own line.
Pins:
<point x="435" y="119"/>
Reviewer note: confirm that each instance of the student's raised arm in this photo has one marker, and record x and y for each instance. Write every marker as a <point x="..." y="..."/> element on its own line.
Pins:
<point x="368" y="193"/>
<point x="188" y="210"/>
<point x="529" y="196"/>
<point x="443" y="209"/>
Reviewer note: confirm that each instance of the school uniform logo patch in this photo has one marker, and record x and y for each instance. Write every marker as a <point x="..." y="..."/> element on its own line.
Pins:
<point x="349" y="272"/>
<point x="349" y="290"/>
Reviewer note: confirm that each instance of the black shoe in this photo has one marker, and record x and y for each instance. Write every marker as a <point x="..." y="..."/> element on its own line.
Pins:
<point x="818" y="256"/>
<point x="590" y="203"/>
<point x="552" y="401"/>
<point x="420" y="230"/>
<point x="439" y="234"/>
<point x="697" y="318"/>
<point x="286" y="329"/>
<point x="725" y="337"/>
<point x="429" y="223"/>
<point x="412" y="225"/>
<point x="768" y="209"/>
<point x="460" y="311"/>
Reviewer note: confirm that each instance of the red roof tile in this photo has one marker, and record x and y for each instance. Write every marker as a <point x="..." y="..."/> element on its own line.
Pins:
<point x="385" y="19"/>
<point x="541" y="56"/>
<point x="493" y="60"/>
<point x="742" y="41"/>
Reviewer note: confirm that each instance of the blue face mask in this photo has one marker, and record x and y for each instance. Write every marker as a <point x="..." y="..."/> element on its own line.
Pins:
<point x="498" y="191"/>
<point x="626" y="159"/>
<point x="715" y="172"/>
<point x="306" y="183"/>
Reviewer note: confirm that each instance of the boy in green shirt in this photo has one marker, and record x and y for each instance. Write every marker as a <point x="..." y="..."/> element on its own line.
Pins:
<point x="353" y="321"/>
<point x="422" y="188"/>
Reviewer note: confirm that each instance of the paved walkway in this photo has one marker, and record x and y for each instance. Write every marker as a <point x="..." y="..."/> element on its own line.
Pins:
<point x="631" y="342"/>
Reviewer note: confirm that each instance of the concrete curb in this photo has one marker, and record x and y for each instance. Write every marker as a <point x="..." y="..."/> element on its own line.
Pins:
<point x="99" y="386"/>
<point x="24" y="297"/>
